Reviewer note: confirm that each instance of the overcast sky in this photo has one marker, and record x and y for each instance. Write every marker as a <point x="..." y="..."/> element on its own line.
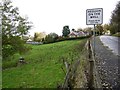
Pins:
<point x="51" y="15"/>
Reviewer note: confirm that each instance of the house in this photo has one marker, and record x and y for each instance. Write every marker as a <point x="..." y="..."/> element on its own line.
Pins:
<point x="77" y="34"/>
<point x="73" y="34"/>
<point x="29" y="40"/>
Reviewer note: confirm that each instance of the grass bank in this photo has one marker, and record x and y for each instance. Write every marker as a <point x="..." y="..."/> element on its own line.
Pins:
<point x="43" y="68"/>
<point x="117" y="34"/>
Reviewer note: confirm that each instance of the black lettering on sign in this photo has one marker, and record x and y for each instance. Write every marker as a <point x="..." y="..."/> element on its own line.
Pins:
<point x="90" y="14"/>
<point x="93" y="16"/>
<point x="96" y="13"/>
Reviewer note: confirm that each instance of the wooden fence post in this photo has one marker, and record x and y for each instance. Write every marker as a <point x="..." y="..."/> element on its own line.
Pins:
<point x="91" y="80"/>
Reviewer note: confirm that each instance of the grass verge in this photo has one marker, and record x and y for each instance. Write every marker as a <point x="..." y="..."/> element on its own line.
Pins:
<point x="43" y="68"/>
<point x="117" y="34"/>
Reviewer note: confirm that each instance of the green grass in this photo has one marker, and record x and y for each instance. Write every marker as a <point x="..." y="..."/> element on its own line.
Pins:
<point x="0" y="72"/>
<point x="43" y="68"/>
<point x="117" y="34"/>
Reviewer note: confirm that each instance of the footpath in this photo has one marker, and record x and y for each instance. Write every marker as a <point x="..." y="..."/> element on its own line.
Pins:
<point x="108" y="65"/>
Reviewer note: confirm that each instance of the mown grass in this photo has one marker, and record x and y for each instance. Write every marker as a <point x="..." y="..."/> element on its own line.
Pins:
<point x="43" y="68"/>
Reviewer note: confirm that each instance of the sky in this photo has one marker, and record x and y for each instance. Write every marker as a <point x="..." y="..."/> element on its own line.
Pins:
<point x="51" y="15"/>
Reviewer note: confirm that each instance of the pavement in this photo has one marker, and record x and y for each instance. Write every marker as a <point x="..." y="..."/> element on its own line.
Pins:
<point x="108" y="64"/>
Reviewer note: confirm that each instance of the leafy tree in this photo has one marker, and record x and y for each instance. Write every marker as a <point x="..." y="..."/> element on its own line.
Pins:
<point x="99" y="29"/>
<point x="73" y="29"/>
<point x="79" y="29"/>
<point x="35" y="36"/>
<point x="39" y="36"/>
<point x="113" y="28"/>
<point x="89" y="30"/>
<point x="52" y="37"/>
<point x="66" y="31"/>
<point x="25" y="38"/>
<point x="48" y="39"/>
<point x="13" y="28"/>
<point x="106" y="27"/>
<point x="115" y="20"/>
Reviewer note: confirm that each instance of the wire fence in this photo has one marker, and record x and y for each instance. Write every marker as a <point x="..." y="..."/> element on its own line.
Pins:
<point x="70" y="75"/>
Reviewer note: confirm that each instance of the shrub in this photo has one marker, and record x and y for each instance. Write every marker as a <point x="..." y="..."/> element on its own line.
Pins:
<point x="49" y="40"/>
<point x="13" y="45"/>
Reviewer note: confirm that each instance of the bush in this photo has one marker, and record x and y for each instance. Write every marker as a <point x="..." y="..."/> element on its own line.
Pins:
<point x="12" y="60"/>
<point x="49" y="39"/>
<point x="71" y="38"/>
<point x="13" y="45"/>
<point x="64" y="38"/>
<point x="117" y="34"/>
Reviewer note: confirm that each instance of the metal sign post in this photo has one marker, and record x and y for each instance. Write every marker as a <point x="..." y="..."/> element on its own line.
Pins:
<point x="94" y="17"/>
<point x="94" y="40"/>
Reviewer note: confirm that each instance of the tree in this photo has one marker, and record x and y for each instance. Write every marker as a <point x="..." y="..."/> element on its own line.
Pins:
<point x="106" y="28"/>
<point x="73" y="30"/>
<point x="99" y="29"/>
<point x="35" y="36"/>
<point x="115" y="19"/>
<point x="25" y="38"/>
<point x="52" y="37"/>
<point x="39" y="36"/>
<point x="79" y="29"/>
<point x="88" y="30"/>
<point x="13" y="28"/>
<point x="66" y="31"/>
<point x="113" y="28"/>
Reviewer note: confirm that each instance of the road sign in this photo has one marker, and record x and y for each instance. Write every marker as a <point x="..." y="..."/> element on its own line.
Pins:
<point x="94" y="16"/>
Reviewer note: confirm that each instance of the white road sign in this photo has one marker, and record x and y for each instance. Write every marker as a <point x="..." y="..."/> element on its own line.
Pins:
<point x="94" y="16"/>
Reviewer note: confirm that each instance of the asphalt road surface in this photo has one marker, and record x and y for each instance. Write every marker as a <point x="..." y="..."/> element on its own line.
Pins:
<point x="107" y="60"/>
<point x="112" y="42"/>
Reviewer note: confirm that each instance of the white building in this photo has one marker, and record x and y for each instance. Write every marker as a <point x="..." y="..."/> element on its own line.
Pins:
<point x="77" y="34"/>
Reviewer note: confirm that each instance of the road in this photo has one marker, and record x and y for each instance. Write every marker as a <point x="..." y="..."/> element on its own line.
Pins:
<point x="107" y="60"/>
<point x="113" y="43"/>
